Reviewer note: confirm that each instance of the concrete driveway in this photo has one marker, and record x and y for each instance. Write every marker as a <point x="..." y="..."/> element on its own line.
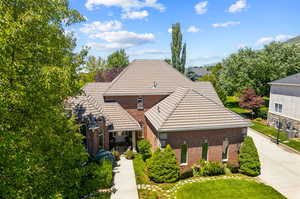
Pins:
<point x="280" y="167"/>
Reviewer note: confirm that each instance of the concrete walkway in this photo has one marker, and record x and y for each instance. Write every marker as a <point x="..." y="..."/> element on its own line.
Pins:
<point x="280" y="167"/>
<point x="124" y="181"/>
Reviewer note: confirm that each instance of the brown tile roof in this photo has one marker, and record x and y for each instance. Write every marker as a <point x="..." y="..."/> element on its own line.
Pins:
<point x="92" y="103"/>
<point x="121" y="119"/>
<point x="141" y="76"/>
<point x="187" y="109"/>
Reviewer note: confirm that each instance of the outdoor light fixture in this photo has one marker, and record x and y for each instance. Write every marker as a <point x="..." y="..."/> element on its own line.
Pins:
<point x="279" y="127"/>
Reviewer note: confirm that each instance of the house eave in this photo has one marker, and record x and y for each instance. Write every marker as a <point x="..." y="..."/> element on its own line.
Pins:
<point x="162" y="130"/>
<point x="284" y="84"/>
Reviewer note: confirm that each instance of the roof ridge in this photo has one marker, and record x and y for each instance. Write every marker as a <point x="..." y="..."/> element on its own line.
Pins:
<point x="184" y="94"/>
<point x="222" y="106"/>
<point x="118" y="77"/>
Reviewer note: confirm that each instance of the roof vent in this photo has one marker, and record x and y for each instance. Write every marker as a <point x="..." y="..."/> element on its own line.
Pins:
<point x="155" y="84"/>
<point x="158" y="109"/>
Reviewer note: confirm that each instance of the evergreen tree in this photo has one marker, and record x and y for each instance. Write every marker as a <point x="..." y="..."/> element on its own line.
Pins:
<point x="162" y="166"/>
<point x="178" y="52"/>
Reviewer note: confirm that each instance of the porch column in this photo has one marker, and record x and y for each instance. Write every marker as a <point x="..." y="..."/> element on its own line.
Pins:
<point x="133" y="141"/>
<point x="105" y="134"/>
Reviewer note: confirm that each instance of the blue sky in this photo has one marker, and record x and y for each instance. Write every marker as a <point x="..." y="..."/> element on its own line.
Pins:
<point x="212" y="29"/>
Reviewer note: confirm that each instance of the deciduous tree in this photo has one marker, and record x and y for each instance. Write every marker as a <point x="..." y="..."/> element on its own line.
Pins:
<point x="118" y="59"/>
<point x="41" y="152"/>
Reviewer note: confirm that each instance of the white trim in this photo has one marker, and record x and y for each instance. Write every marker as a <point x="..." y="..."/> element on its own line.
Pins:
<point x="206" y="128"/>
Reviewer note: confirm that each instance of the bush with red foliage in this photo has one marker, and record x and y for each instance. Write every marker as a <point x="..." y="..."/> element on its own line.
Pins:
<point x="249" y="100"/>
<point x="108" y="75"/>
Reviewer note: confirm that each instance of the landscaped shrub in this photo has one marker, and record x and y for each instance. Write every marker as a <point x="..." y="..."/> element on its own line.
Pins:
<point x="99" y="176"/>
<point x="248" y="158"/>
<point x="267" y="101"/>
<point x="262" y="112"/>
<point x="162" y="166"/>
<point x="129" y="155"/>
<point x="232" y="101"/>
<point x="205" y="168"/>
<point x="140" y="170"/>
<point x="117" y="155"/>
<point x="144" y="148"/>
<point x="234" y="168"/>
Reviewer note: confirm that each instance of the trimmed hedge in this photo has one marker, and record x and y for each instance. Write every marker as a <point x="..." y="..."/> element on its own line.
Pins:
<point x="144" y="148"/>
<point x="232" y="101"/>
<point x="248" y="158"/>
<point x="162" y="166"/>
<point x="263" y="112"/>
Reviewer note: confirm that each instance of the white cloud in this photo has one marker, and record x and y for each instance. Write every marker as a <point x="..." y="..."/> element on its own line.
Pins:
<point x="226" y="24"/>
<point x="238" y="6"/>
<point x="149" y="52"/>
<point x="169" y="30"/>
<point x="135" y="14"/>
<point x="125" y="5"/>
<point x="121" y="39"/>
<point x="193" y="29"/>
<point x="201" y="7"/>
<point x="125" y="37"/>
<point x="266" y="40"/>
<point x="98" y="26"/>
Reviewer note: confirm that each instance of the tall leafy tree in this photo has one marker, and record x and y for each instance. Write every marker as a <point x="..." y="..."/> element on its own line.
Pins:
<point x="255" y="69"/>
<point x="178" y="51"/>
<point x="41" y="152"/>
<point x="118" y="59"/>
<point x="94" y="64"/>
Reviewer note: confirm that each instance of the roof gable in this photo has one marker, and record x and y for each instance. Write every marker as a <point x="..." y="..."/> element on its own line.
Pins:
<point x="187" y="109"/>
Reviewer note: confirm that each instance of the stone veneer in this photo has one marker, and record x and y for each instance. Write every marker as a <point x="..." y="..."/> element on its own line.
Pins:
<point x="272" y="118"/>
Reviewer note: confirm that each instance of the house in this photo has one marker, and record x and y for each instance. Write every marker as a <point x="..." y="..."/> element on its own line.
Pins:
<point x="151" y="100"/>
<point x="198" y="71"/>
<point x="284" y="104"/>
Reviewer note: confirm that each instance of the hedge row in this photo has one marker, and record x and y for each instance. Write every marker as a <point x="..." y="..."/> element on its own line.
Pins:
<point x="248" y="158"/>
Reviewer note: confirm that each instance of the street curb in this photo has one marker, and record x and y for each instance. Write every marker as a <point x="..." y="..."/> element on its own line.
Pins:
<point x="280" y="144"/>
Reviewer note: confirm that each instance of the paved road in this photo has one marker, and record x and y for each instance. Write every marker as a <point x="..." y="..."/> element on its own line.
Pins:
<point x="280" y="167"/>
<point x="124" y="180"/>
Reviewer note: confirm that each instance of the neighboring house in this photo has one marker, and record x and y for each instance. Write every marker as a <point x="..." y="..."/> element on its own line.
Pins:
<point x="284" y="104"/>
<point x="151" y="100"/>
<point x="198" y="71"/>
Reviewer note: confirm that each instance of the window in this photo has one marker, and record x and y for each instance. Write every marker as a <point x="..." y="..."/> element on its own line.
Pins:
<point x="278" y="108"/>
<point x="163" y="139"/>
<point x="140" y="103"/>
<point x="204" y="150"/>
<point x="184" y="153"/>
<point x="225" y="149"/>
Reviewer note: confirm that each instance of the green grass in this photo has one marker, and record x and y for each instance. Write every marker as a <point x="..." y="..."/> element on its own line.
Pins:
<point x="227" y="188"/>
<point x="140" y="170"/>
<point x="268" y="130"/>
<point x="239" y="110"/>
<point x="294" y="144"/>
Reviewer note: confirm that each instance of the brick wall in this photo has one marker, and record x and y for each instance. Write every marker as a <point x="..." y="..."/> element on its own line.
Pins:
<point x="215" y="138"/>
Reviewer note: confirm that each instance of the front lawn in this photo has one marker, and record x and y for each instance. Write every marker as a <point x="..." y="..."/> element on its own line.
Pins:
<point x="239" y="110"/>
<point x="227" y="188"/>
